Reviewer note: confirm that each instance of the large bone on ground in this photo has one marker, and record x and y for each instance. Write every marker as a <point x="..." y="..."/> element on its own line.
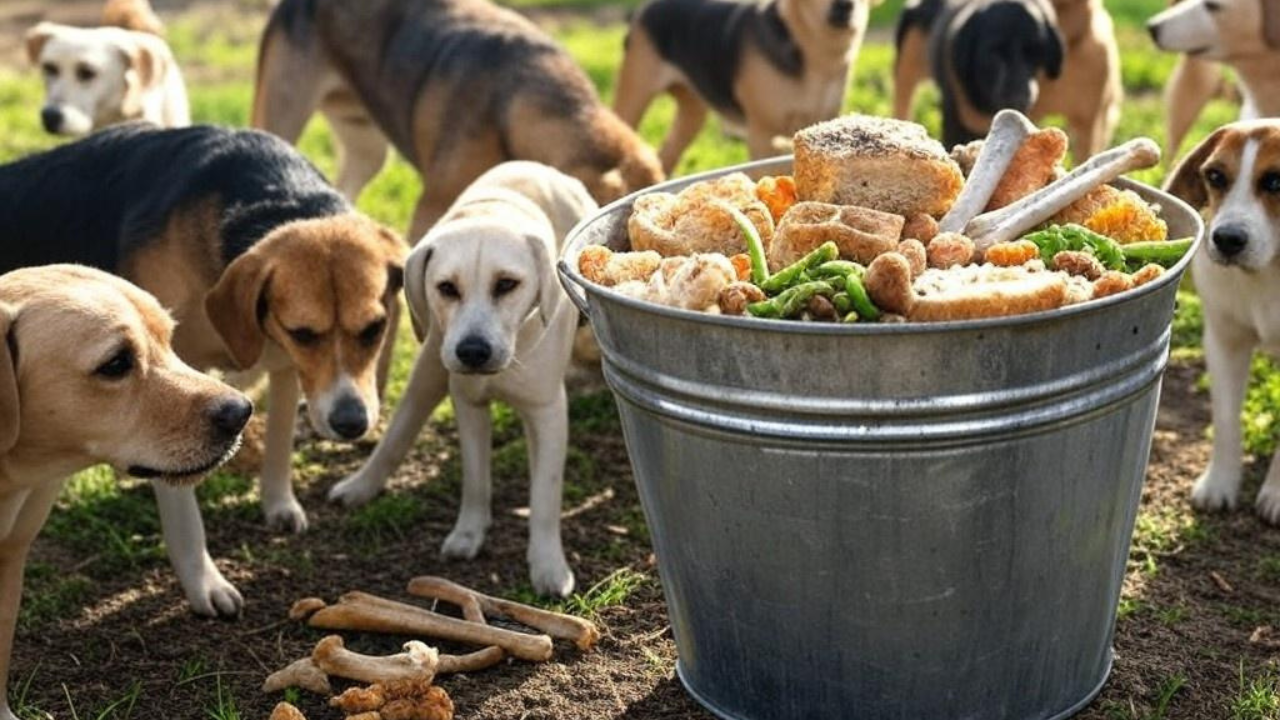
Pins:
<point x="417" y="662"/>
<point x="581" y="632"/>
<point x="1009" y="129"/>
<point x="370" y="613"/>
<point x="1011" y="221"/>
<point x="302" y="673"/>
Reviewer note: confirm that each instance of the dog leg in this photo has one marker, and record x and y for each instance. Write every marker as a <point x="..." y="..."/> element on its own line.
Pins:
<point x="362" y="148"/>
<point x="207" y="591"/>
<point x="546" y="429"/>
<point x="1191" y="85"/>
<point x="386" y="354"/>
<point x="475" y="429"/>
<point x="1227" y="356"/>
<point x="291" y="82"/>
<point x="31" y="516"/>
<point x="427" y="386"/>
<point x="637" y="79"/>
<point x="1268" y="503"/>
<point x="282" y="508"/>
<point x="691" y="114"/>
<point x="910" y="66"/>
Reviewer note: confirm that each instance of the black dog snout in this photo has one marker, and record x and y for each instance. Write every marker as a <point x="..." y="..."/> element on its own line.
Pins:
<point x="51" y="117"/>
<point x="229" y="418"/>
<point x="349" y="418"/>
<point x="474" y="351"/>
<point x="1230" y="240"/>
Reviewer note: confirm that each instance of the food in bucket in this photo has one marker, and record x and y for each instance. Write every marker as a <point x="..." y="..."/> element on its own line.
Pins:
<point x="880" y="224"/>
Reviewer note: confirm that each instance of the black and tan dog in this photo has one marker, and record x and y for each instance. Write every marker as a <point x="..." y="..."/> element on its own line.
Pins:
<point x="1034" y="56"/>
<point x="767" y="69"/>
<point x="264" y="266"/>
<point x="456" y="86"/>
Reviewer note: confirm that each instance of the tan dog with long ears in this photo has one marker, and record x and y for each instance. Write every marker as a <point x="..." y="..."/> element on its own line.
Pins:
<point x="95" y="77"/>
<point x="498" y="326"/>
<point x="1241" y="34"/>
<point x="87" y="376"/>
<point x="1233" y="177"/>
<point x="266" y="268"/>
<point x="767" y="69"/>
<point x="456" y="86"/>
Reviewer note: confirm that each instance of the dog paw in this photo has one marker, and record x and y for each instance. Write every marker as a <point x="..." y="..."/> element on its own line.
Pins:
<point x="463" y="543"/>
<point x="551" y="577"/>
<point x="211" y="595"/>
<point x="354" y="491"/>
<point x="1211" y="492"/>
<point x="1268" y="504"/>
<point x="287" y="517"/>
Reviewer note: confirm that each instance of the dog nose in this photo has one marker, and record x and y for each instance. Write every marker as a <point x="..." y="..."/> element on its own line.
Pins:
<point x="474" y="351"/>
<point x="51" y="117"/>
<point x="1230" y="240"/>
<point x="349" y="418"/>
<point x="229" y="417"/>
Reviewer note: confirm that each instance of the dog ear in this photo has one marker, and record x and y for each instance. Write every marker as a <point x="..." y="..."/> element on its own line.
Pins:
<point x="415" y="289"/>
<point x="1185" y="181"/>
<point x="9" y="408"/>
<point x="36" y="38"/>
<point x="549" y="295"/>
<point x="1271" y="23"/>
<point x="395" y="250"/>
<point x="237" y="307"/>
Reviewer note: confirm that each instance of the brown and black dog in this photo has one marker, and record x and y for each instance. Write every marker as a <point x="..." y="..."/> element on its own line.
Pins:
<point x="767" y="69"/>
<point x="1035" y="56"/>
<point x="266" y="268"/>
<point x="456" y="86"/>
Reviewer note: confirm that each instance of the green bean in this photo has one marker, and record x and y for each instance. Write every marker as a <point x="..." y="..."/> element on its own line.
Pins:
<point x="755" y="248"/>
<point x="851" y="317"/>
<point x="839" y="268"/>
<point x="792" y="274"/>
<point x="843" y="303"/>
<point x="1161" y="252"/>
<point x="790" y="302"/>
<point x="861" y="301"/>
<point x="1057" y="238"/>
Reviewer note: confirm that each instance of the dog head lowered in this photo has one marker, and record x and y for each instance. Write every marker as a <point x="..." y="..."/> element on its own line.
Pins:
<point x="322" y="291"/>
<point x="87" y="375"/>
<point x="1219" y="29"/>
<point x="94" y="77"/>
<point x="1233" y="178"/>
<point x="1001" y="48"/>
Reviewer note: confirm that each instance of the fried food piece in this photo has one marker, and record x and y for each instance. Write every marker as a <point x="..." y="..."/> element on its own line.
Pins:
<point x="1146" y="274"/>
<point x="1032" y="167"/>
<point x="434" y="704"/>
<point x="742" y="265"/>
<point x="603" y="266"/>
<point x="888" y="284"/>
<point x="920" y="227"/>
<point x="735" y="297"/>
<point x="1112" y="282"/>
<point x="1009" y="254"/>
<point x="1082" y="264"/>
<point x="697" y="220"/>
<point x="859" y="233"/>
<point x="916" y="254"/>
<point x="948" y="249"/>
<point x="360" y="699"/>
<point x="285" y="711"/>
<point x="697" y="283"/>
<point x="1121" y="215"/>
<point x="982" y="291"/>
<point x="778" y="193"/>
<point x="888" y="165"/>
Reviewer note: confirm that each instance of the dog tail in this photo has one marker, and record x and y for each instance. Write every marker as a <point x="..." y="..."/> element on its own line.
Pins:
<point x="634" y="165"/>
<point x="132" y="15"/>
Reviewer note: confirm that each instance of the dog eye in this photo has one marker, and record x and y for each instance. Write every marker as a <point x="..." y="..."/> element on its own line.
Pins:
<point x="1216" y="179"/>
<point x="504" y="286"/>
<point x="85" y="73"/>
<point x="119" y="366"/>
<point x="1270" y="183"/>
<point x="304" y="336"/>
<point x="50" y="70"/>
<point x="449" y="290"/>
<point x="369" y="336"/>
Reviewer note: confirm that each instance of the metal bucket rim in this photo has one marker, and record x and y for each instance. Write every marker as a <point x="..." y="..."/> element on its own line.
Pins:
<point x="574" y="243"/>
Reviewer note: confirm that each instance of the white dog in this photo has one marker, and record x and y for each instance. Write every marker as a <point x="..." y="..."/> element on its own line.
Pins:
<point x="1233" y="177"/>
<point x="498" y="326"/>
<point x="96" y="77"/>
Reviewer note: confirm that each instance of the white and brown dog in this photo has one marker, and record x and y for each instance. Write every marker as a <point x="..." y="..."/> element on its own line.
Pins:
<point x="87" y="376"/>
<point x="95" y="77"/>
<point x="1233" y="178"/>
<point x="498" y="326"/>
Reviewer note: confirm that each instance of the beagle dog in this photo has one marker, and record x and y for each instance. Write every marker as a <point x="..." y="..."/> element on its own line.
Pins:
<point x="95" y="77"/>
<point x="265" y="267"/>
<point x="1233" y="177"/>
<point x="1241" y="34"/>
<point x="87" y="376"/>
<point x="455" y="86"/>
<point x="482" y="288"/>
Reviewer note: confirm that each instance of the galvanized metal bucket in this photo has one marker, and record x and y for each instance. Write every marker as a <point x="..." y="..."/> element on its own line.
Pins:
<point x="918" y="522"/>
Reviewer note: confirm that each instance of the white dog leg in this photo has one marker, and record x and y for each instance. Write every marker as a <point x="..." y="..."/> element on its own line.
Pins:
<point x="1227" y="358"/>
<point x="207" y="591"/>
<point x="11" y="568"/>
<point x="475" y="429"/>
<point x="1269" y="496"/>
<point x="281" y="506"/>
<point x="547" y="431"/>
<point x="427" y="386"/>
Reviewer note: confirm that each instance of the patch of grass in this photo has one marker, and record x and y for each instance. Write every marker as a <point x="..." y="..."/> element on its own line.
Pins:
<point x="1257" y="698"/>
<point x="594" y="412"/>
<point x="386" y="517"/>
<point x="1262" y="406"/>
<point x="1158" y="711"/>
<point x="98" y="516"/>
<point x="1130" y="607"/>
<point x="1164" y="532"/>
<point x="51" y="594"/>
<point x="1244" y="617"/>
<point x="613" y="589"/>
<point x="1268" y="568"/>
<point x="224" y="707"/>
<point x="1172" y="615"/>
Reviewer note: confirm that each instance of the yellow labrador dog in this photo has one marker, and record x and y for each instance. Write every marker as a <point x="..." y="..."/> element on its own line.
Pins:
<point x="87" y="376"/>
<point x="482" y="286"/>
